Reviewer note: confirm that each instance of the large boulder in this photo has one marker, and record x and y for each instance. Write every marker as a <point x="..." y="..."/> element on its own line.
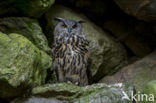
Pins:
<point x="68" y="93"/>
<point x="31" y="8"/>
<point x="107" y="55"/>
<point x="142" y="9"/>
<point x="126" y="33"/>
<point x="137" y="74"/>
<point x="22" y="65"/>
<point x="27" y="27"/>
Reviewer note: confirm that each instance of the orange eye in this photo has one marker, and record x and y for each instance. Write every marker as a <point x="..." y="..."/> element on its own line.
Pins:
<point x="63" y="26"/>
<point x="74" y="26"/>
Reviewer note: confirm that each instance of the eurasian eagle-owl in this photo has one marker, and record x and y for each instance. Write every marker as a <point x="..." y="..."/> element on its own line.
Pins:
<point x="71" y="56"/>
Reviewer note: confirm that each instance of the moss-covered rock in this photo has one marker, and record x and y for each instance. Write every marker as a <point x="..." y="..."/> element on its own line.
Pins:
<point x="22" y="65"/>
<point x="68" y="93"/>
<point x="107" y="55"/>
<point x="150" y="91"/>
<point x="137" y="74"/>
<point x="27" y="27"/>
<point x="31" y="8"/>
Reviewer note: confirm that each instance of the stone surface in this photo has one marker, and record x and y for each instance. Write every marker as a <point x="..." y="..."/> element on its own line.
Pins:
<point x="126" y="33"/>
<point x="137" y="74"/>
<point x="37" y="100"/>
<point x="93" y="9"/>
<point x="107" y="55"/>
<point x="96" y="93"/>
<point x="27" y="27"/>
<point x="22" y="65"/>
<point x="31" y="8"/>
<point x="142" y="9"/>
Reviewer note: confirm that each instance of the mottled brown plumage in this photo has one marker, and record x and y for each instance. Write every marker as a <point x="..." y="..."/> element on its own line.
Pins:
<point x="71" y="57"/>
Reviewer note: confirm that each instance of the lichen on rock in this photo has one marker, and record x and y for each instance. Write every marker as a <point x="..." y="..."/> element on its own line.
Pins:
<point x="22" y="65"/>
<point x="27" y="27"/>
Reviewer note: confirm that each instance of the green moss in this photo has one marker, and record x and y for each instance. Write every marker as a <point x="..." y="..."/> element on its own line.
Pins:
<point x="23" y="65"/>
<point x="149" y="89"/>
<point x="27" y="27"/>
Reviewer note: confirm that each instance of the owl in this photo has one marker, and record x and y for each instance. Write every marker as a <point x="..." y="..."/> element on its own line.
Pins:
<point x="70" y="50"/>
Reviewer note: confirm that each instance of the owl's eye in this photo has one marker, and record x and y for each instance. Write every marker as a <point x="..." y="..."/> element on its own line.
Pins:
<point x="74" y="26"/>
<point x="63" y="26"/>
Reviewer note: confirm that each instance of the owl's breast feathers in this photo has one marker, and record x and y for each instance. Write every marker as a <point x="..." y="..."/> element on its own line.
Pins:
<point x="70" y="45"/>
<point x="71" y="59"/>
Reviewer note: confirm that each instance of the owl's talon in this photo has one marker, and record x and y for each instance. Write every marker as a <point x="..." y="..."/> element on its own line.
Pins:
<point x="76" y="83"/>
<point x="69" y="82"/>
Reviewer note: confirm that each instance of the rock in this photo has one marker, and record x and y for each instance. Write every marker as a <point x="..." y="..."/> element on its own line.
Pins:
<point x="37" y="100"/>
<point x="64" y="93"/>
<point x="93" y="9"/>
<point x="22" y="65"/>
<point x="107" y="55"/>
<point x="142" y="9"/>
<point x="150" y="91"/>
<point x="126" y="33"/>
<point x="27" y="27"/>
<point x="31" y="8"/>
<point x="137" y="74"/>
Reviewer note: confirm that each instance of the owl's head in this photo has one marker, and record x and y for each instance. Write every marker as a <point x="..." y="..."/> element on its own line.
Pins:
<point x="67" y="27"/>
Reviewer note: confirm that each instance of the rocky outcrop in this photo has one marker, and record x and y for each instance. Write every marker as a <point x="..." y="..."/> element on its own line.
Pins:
<point x="142" y="9"/>
<point x="107" y="55"/>
<point x="96" y="93"/>
<point x="25" y="56"/>
<point x="22" y="65"/>
<point x="126" y="33"/>
<point x="31" y="8"/>
<point x="27" y="27"/>
<point x="137" y="74"/>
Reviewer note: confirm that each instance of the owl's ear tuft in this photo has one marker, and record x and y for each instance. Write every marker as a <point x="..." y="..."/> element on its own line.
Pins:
<point x="81" y="21"/>
<point x="58" y="19"/>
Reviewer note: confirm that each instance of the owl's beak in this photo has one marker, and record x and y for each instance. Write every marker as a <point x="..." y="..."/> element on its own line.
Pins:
<point x="69" y="30"/>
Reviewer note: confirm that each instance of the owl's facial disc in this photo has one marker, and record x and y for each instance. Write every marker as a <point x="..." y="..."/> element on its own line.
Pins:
<point x="69" y="26"/>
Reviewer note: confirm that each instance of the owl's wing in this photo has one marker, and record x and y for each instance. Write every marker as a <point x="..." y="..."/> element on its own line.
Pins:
<point x="53" y="50"/>
<point x="89" y="72"/>
<point x="87" y="52"/>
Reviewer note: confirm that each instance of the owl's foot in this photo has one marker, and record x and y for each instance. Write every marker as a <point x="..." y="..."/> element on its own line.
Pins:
<point x="69" y="82"/>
